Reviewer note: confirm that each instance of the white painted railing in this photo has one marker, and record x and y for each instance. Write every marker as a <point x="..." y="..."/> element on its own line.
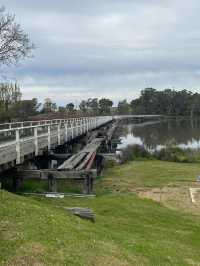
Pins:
<point x="21" y="139"/>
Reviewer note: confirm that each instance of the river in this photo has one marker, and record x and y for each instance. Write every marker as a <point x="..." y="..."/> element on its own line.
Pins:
<point x="184" y="133"/>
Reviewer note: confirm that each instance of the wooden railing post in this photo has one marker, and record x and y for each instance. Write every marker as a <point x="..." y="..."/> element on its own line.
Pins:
<point x="49" y="138"/>
<point x="36" y="140"/>
<point x="72" y="128"/>
<point x="76" y="122"/>
<point x="18" y="146"/>
<point x="66" y="133"/>
<point x="87" y="124"/>
<point x="58" y="134"/>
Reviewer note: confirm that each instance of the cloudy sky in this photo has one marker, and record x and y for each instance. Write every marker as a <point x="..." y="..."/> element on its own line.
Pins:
<point x="107" y="48"/>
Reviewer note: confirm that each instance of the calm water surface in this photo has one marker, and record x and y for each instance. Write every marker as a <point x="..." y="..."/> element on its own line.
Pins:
<point x="156" y="135"/>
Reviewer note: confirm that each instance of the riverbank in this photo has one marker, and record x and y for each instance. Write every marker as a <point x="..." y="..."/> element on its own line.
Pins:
<point x="136" y="222"/>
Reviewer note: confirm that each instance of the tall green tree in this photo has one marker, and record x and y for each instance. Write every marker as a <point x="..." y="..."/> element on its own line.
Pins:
<point x="25" y="108"/>
<point x="105" y="106"/>
<point x="70" y="107"/>
<point x="123" y="108"/>
<point x="49" y="106"/>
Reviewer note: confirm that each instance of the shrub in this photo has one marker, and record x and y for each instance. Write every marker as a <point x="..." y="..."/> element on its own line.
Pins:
<point x="133" y="152"/>
<point x="171" y="154"/>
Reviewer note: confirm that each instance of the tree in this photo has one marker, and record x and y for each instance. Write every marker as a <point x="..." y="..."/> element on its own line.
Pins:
<point x="70" y="107"/>
<point x="9" y="94"/>
<point x="90" y="106"/>
<point x="93" y="105"/>
<point x="61" y="109"/>
<point x="167" y="102"/>
<point x="25" y="108"/>
<point x="83" y="106"/>
<point x="49" y="106"/>
<point x="123" y="108"/>
<point x="14" y="43"/>
<point x="105" y="106"/>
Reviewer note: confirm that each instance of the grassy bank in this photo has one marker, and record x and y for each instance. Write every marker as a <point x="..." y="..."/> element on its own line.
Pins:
<point x="129" y="229"/>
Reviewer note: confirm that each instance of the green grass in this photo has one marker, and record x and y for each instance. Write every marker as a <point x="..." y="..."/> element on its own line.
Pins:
<point x="146" y="173"/>
<point x="128" y="230"/>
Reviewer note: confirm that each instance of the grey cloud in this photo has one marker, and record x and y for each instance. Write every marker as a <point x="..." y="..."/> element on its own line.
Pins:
<point x="97" y="48"/>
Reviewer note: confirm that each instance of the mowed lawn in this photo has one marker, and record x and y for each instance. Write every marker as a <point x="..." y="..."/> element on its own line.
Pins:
<point x="128" y="230"/>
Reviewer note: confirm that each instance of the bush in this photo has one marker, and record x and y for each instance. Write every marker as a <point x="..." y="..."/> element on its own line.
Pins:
<point x="171" y="154"/>
<point x="133" y="152"/>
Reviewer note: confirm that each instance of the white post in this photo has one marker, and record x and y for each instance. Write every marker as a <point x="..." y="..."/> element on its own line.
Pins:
<point x="59" y="134"/>
<point x="66" y="135"/>
<point x="36" y="140"/>
<point x="77" y="128"/>
<point x="49" y="138"/>
<point x="18" y="146"/>
<point x="72" y="129"/>
<point x="87" y="124"/>
<point x="82" y="125"/>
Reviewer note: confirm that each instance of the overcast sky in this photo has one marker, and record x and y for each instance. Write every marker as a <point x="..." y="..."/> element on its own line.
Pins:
<point x="107" y="48"/>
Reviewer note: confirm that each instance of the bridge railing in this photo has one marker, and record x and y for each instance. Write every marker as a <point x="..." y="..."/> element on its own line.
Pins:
<point x="24" y="138"/>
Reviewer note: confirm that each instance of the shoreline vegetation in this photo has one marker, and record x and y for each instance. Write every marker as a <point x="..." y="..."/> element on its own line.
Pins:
<point x="144" y="216"/>
<point x="170" y="154"/>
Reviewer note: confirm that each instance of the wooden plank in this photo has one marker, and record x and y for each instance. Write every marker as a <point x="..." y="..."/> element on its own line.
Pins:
<point x="70" y="164"/>
<point x="46" y="173"/>
<point x="84" y="163"/>
<point x="90" y="163"/>
<point x="80" y="160"/>
<point x="84" y="213"/>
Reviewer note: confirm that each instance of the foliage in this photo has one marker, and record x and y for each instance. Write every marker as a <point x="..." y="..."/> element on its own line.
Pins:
<point x="25" y="108"/>
<point x="105" y="106"/>
<point x="167" y="102"/>
<point x="123" y="108"/>
<point x="15" y="44"/>
<point x="70" y="107"/>
<point x="49" y="106"/>
<point x="61" y="109"/>
<point x="133" y="152"/>
<point x="176" y="154"/>
<point x="95" y="106"/>
<point x="9" y="94"/>
<point x="171" y="154"/>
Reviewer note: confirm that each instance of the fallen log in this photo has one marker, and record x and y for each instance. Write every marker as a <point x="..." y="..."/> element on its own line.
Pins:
<point x="84" y="213"/>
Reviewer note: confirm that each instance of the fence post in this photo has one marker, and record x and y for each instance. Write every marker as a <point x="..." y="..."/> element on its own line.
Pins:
<point x="49" y="138"/>
<point x="87" y="124"/>
<point x="58" y="134"/>
<point x="77" y="127"/>
<point x="36" y="140"/>
<point x="66" y="135"/>
<point x="72" y="129"/>
<point x="17" y="146"/>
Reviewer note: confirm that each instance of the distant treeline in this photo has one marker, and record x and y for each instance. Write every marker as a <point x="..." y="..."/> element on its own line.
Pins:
<point x="167" y="102"/>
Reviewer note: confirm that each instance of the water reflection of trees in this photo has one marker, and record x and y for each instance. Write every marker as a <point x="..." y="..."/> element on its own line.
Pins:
<point x="172" y="132"/>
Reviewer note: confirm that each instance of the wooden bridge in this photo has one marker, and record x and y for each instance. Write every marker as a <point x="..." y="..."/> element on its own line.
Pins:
<point x="23" y="140"/>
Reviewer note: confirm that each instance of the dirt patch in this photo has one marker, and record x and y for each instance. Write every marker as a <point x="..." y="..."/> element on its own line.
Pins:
<point x="172" y="197"/>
